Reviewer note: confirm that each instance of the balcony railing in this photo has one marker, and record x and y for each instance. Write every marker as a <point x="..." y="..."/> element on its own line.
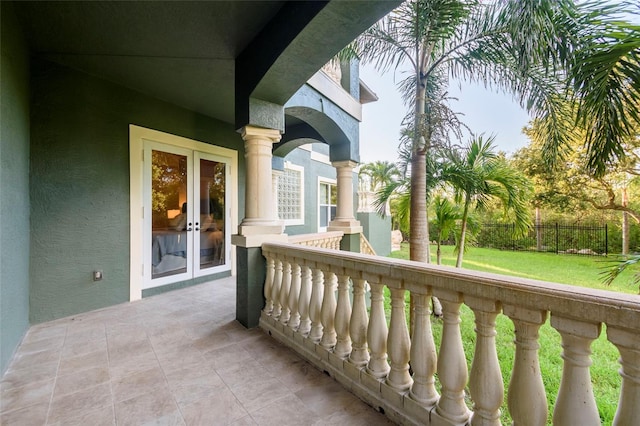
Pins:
<point x="376" y="357"/>
<point x="330" y="240"/>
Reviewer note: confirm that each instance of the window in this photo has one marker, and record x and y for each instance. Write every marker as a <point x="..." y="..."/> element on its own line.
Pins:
<point x="291" y="195"/>
<point x="327" y="196"/>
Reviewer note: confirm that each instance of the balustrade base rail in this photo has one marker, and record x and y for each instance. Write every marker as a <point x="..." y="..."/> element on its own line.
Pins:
<point x="397" y="406"/>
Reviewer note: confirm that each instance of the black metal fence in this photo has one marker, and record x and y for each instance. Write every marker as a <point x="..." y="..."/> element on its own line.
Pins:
<point x="586" y="240"/>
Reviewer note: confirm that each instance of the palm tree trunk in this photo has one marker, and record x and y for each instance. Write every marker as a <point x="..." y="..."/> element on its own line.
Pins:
<point x="625" y="222"/>
<point x="418" y="227"/>
<point x="463" y="232"/>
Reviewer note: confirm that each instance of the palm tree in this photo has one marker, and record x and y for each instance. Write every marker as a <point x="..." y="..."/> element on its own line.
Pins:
<point x="477" y="175"/>
<point x="380" y="173"/>
<point x="447" y="215"/>
<point x="436" y="39"/>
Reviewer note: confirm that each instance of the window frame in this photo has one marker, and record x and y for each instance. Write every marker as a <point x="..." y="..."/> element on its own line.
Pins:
<point x="320" y="205"/>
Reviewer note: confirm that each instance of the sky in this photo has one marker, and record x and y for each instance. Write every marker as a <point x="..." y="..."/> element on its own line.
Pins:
<point x="484" y="112"/>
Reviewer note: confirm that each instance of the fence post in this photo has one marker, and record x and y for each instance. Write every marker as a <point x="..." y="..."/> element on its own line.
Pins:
<point x="606" y="239"/>
<point x="557" y="238"/>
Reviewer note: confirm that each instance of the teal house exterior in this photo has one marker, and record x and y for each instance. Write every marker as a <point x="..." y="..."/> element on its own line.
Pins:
<point x="120" y="120"/>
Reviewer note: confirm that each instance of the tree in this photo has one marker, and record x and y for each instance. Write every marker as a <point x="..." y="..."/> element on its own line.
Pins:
<point x="506" y="44"/>
<point x="570" y="184"/>
<point x="478" y="174"/>
<point x="447" y="215"/>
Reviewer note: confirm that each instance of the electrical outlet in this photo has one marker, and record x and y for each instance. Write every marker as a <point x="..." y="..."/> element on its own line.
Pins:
<point x="97" y="275"/>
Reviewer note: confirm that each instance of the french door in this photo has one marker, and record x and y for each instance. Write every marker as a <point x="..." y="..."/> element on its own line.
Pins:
<point x="186" y="228"/>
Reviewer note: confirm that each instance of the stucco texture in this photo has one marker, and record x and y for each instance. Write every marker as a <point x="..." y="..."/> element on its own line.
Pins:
<point x="80" y="184"/>
<point x="14" y="196"/>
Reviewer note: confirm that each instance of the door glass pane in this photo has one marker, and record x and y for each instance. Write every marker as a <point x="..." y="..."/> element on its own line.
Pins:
<point x="169" y="214"/>
<point x="212" y="213"/>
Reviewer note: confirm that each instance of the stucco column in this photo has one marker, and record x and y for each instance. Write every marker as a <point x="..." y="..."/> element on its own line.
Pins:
<point x="260" y="224"/>
<point x="260" y="217"/>
<point x="344" y="220"/>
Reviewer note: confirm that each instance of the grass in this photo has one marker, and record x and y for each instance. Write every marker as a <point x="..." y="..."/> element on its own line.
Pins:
<point x="575" y="270"/>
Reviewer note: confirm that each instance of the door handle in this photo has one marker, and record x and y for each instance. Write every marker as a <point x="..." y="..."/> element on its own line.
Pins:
<point x="189" y="227"/>
<point x="197" y="226"/>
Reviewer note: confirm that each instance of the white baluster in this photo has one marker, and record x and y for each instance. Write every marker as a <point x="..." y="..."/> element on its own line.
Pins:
<point x="284" y="292"/>
<point x="575" y="403"/>
<point x="452" y="365"/>
<point x="304" y="301"/>
<point x="343" y="315"/>
<point x="628" y="343"/>
<point x="527" y="399"/>
<point x="377" y="334"/>
<point x="485" y="383"/>
<point x="398" y="343"/>
<point x="328" y="313"/>
<point x="358" y="325"/>
<point x="294" y="295"/>
<point x="275" y="292"/>
<point x="423" y="354"/>
<point x="315" y="306"/>
<point x="268" y="285"/>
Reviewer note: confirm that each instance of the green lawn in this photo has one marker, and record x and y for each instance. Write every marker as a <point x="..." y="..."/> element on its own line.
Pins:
<point x="568" y="269"/>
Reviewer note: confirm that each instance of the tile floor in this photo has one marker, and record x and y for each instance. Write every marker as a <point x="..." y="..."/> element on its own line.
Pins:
<point x="174" y="359"/>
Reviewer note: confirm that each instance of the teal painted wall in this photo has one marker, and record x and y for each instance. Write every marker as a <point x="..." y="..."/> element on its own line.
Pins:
<point x="14" y="187"/>
<point x="378" y="232"/>
<point x="312" y="170"/>
<point x="80" y="184"/>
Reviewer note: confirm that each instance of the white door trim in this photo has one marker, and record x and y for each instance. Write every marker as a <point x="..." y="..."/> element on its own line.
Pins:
<point x="137" y="136"/>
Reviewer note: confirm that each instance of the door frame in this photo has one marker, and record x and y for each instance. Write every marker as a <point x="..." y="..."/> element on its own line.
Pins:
<point x="137" y="136"/>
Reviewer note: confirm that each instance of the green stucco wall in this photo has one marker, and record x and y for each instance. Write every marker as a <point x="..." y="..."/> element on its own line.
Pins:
<point x="80" y="184"/>
<point x="378" y="232"/>
<point x="14" y="187"/>
<point x="312" y="170"/>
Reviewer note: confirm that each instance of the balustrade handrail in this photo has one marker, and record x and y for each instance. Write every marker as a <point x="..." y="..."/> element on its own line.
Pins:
<point x="594" y="305"/>
<point x="296" y="239"/>
<point x="315" y="303"/>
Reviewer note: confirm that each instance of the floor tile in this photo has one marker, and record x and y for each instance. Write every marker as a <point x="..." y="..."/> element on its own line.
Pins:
<point x="28" y="360"/>
<point x="83" y="362"/>
<point x="191" y="384"/>
<point x="256" y="394"/>
<point x="30" y="394"/>
<point x="100" y="417"/>
<point x="327" y="397"/>
<point x="243" y="373"/>
<point x="133" y="385"/>
<point x="33" y="415"/>
<point x="74" y="347"/>
<point x="45" y="331"/>
<point x="245" y="421"/>
<point x="287" y="411"/>
<point x="158" y="407"/>
<point x="16" y="377"/>
<point x="178" y="358"/>
<point x="219" y="408"/>
<point x="68" y="407"/>
<point x="132" y="364"/>
<point x="80" y="380"/>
